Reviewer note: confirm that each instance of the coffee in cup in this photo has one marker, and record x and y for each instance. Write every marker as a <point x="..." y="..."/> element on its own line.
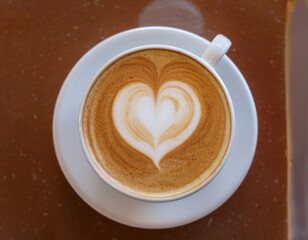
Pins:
<point x="156" y="123"/>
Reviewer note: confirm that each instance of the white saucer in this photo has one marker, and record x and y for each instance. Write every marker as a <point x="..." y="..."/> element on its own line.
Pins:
<point x="117" y="206"/>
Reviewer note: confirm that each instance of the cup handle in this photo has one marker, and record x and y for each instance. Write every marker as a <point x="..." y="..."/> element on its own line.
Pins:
<point x="216" y="50"/>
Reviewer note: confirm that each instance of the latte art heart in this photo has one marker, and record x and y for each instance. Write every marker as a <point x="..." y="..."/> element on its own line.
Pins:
<point x="155" y="124"/>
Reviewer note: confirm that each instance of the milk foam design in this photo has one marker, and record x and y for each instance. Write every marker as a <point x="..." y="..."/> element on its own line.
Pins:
<point x="155" y="124"/>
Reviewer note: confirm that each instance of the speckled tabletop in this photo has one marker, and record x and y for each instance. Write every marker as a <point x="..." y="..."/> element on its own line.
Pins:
<point x="41" y="41"/>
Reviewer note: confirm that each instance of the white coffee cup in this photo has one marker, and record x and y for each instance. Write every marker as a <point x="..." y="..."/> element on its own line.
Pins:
<point x="210" y="58"/>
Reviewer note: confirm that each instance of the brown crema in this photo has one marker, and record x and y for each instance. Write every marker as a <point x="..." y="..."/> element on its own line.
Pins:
<point x="183" y="168"/>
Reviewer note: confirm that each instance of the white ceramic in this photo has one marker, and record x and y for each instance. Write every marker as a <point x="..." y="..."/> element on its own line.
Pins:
<point x="117" y="206"/>
<point x="210" y="58"/>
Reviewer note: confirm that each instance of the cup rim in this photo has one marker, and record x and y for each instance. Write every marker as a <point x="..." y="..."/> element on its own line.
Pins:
<point x="122" y="190"/>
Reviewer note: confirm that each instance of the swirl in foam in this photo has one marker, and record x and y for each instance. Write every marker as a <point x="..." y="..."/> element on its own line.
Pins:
<point x="155" y="125"/>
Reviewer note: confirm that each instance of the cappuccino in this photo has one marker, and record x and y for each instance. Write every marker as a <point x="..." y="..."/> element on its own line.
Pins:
<point x="156" y="123"/>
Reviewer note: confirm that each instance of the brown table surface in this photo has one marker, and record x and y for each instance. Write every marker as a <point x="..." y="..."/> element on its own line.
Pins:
<point x="40" y="41"/>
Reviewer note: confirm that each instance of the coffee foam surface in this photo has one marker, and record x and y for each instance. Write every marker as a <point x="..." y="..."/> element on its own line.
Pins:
<point x="156" y="123"/>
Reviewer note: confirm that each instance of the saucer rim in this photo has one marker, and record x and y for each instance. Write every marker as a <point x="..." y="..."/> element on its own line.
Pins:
<point x="65" y="85"/>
